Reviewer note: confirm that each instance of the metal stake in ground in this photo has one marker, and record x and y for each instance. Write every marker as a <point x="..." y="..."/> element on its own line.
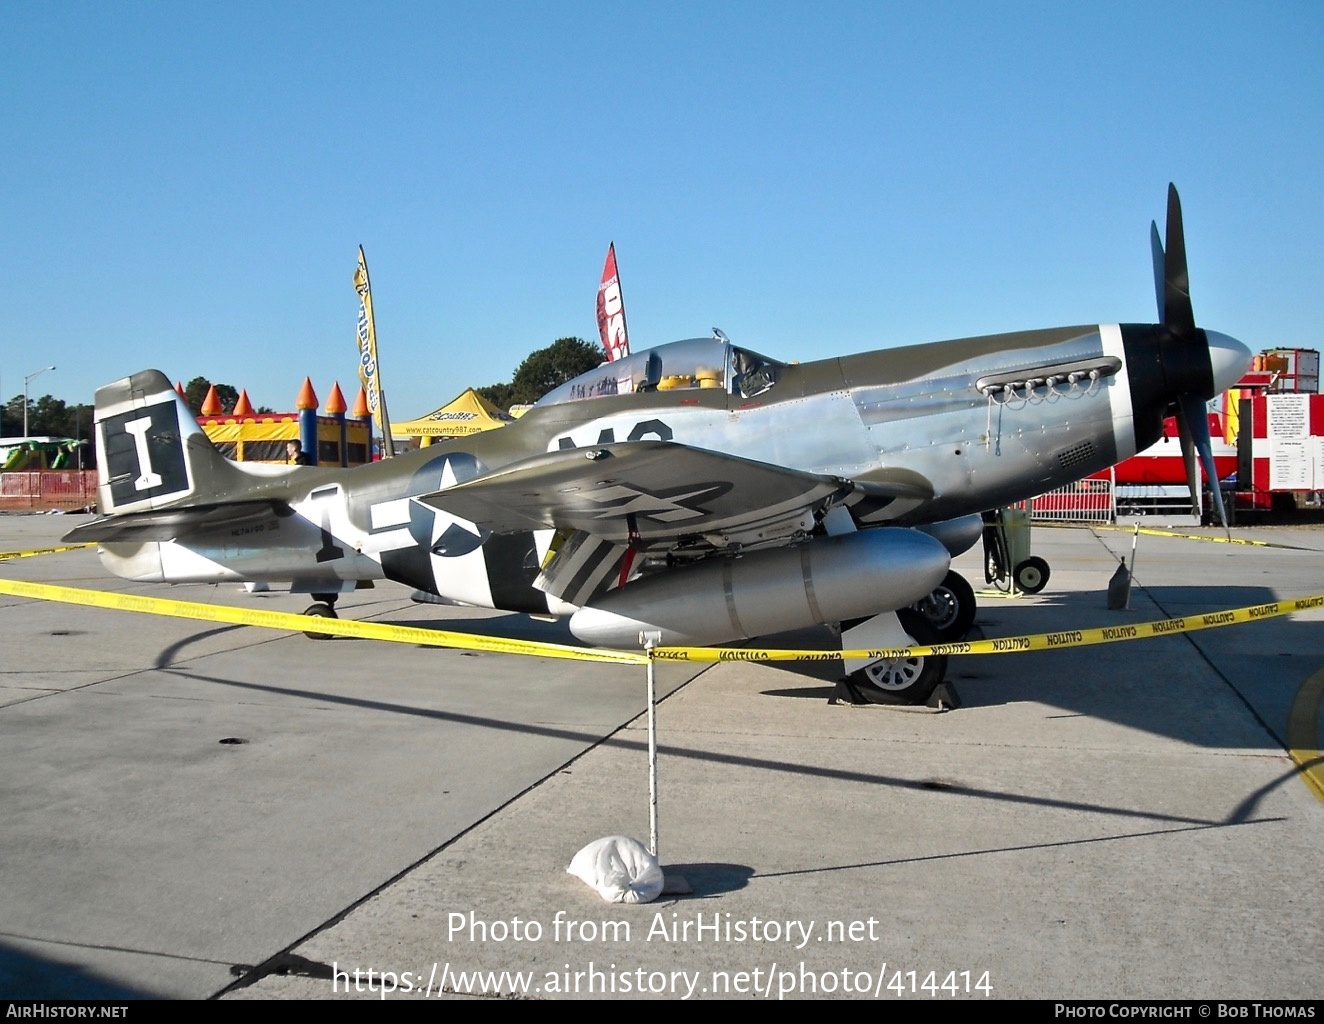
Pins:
<point x="651" y="639"/>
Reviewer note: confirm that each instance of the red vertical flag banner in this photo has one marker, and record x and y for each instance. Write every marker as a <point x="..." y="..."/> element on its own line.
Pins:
<point x="611" y="310"/>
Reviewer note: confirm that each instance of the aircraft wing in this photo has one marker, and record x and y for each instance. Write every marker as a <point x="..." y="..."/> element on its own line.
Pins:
<point x="611" y="501"/>
<point x="640" y="491"/>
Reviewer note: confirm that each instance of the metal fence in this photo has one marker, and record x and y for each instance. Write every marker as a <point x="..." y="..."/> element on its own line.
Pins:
<point x="41" y="491"/>
<point x="1085" y="501"/>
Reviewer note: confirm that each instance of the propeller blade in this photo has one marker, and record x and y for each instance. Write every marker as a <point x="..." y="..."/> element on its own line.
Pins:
<point x="1160" y="289"/>
<point x="1183" y="363"/>
<point x="1188" y="457"/>
<point x="1194" y="418"/>
<point x="1177" y="311"/>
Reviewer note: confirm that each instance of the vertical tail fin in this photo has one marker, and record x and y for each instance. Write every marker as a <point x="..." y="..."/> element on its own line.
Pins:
<point x="151" y="452"/>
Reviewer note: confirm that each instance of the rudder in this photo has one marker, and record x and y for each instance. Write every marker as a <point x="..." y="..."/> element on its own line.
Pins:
<point x="152" y="453"/>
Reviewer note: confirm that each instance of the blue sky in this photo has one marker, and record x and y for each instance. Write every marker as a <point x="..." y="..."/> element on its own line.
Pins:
<point x="185" y="184"/>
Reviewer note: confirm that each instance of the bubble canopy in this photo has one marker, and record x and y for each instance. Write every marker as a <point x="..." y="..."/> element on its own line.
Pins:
<point x="692" y="363"/>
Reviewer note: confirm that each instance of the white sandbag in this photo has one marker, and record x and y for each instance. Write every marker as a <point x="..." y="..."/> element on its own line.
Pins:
<point x="620" y="868"/>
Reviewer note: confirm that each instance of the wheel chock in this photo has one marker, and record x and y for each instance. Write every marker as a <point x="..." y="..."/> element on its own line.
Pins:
<point x="860" y="693"/>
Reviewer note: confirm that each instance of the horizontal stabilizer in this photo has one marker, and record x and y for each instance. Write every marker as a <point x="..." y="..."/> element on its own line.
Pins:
<point x="175" y="523"/>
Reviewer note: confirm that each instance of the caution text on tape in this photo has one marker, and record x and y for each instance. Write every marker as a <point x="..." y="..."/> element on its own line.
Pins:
<point x="442" y="638"/>
<point x="1010" y="644"/>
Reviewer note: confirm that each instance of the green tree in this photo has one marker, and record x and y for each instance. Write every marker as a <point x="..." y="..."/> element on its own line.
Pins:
<point x="195" y="393"/>
<point x="543" y="370"/>
<point x="500" y="395"/>
<point x="11" y="417"/>
<point x="47" y="417"/>
<point x="50" y="417"/>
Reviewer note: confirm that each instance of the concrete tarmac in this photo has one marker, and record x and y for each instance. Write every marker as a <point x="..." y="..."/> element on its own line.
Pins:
<point x="197" y="810"/>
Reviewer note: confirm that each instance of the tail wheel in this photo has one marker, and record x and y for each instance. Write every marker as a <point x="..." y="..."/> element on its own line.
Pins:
<point x="320" y="611"/>
<point x="1032" y="575"/>
<point x="910" y="680"/>
<point x="951" y="608"/>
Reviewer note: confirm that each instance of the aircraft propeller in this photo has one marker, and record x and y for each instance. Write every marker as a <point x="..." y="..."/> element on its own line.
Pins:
<point x="1184" y="343"/>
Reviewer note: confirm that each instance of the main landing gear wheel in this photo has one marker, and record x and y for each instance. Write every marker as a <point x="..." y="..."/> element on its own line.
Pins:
<point x="1032" y="575"/>
<point x="950" y="609"/>
<point x="907" y="680"/>
<point x="320" y="611"/>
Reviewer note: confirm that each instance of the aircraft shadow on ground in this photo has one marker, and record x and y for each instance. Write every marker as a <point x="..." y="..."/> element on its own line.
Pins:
<point x="1118" y="685"/>
<point x="24" y="975"/>
<point x="1115" y="686"/>
<point x="1001" y="850"/>
<point x="1242" y="813"/>
<point x="1159" y="684"/>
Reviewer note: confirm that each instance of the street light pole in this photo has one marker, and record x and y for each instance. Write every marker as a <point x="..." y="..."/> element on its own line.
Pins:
<point x="26" y="381"/>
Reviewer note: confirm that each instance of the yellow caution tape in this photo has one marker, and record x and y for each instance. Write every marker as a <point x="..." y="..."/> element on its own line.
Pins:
<point x="4" y="555"/>
<point x="1151" y="532"/>
<point x="1301" y="726"/>
<point x="1010" y="644"/>
<point x="1148" y="532"/>
<point x="441" y="638"/>
<point x="306" y="623"/>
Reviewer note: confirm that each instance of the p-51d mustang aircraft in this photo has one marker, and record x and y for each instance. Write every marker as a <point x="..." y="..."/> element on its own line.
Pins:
<point x="697" y="489"/>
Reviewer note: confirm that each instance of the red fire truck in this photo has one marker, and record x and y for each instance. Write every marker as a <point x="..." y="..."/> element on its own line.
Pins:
<point x="1268" y="444"/>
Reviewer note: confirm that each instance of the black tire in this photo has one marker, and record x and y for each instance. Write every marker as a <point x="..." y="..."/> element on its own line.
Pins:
<point x="907" y="680"/>
<point x="1032" y="575"/>
<point x="951" y="608"/>
<point x="320" y="611"/>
